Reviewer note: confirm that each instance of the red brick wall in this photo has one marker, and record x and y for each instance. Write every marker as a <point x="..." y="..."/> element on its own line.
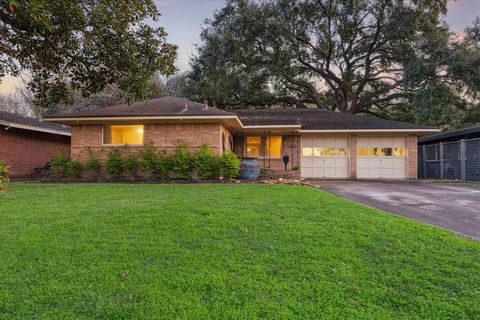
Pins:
<point x="353" y="156"/>
<point x="25" y="150"/>
<point x="288" y="141"/>
<point x="163" y="137"/>
<point x="412" y="157"/>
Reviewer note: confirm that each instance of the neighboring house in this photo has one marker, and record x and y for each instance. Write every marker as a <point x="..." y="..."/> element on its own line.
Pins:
<point x="323" y="144"/>
<point x="27" y="143"/>
<point x="450" y="155"/>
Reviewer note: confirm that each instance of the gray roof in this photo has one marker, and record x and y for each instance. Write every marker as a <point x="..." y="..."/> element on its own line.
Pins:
<point x="29" y="121"/>
<point x="464" y="133"/>
<point x="165" y="106"/>
<point x="318" y="119"/>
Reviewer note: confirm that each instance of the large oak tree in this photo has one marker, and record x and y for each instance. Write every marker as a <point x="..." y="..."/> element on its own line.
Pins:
<point x="83" y="45"/>
<point x="357" y="56"/>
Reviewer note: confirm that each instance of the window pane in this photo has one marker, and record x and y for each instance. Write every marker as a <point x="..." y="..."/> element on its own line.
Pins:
<point x="253" y="146"/>
<point x="317" y="152"/>
<point x="123" y="134"/>
<point x="387" y="152"/>
<point x="334" y="152"/>
<point x="376" y="152"/>
<point x="307" y="152"/>
<point x="274" y="147"/>
<point x="399" y="152"/>
<point x="362" y="152"/>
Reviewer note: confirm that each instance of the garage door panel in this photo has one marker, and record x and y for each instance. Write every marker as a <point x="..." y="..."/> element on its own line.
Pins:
<point x="318" y="172"/>
<point x="307" y="172"/>
<point x="386" y="162"/>
<point x="307" y="142"/>
<point x="323" y="162"/>
<point x="307" y="162"/>
<point x="378" y="164"/>
<point x="317" y="162"/>
<point x="399" y="161"/>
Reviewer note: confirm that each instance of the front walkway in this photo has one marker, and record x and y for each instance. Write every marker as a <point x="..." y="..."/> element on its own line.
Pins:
<point x="452" y="207"/>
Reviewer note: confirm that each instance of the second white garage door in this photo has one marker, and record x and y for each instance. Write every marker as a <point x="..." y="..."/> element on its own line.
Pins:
<point x="324" y="157"/>
<point x="382" y="157"/>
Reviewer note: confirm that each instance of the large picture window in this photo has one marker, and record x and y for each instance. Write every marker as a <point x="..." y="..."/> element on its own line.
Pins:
<point x="264" y="147"/>
<point x="122" y="134"/>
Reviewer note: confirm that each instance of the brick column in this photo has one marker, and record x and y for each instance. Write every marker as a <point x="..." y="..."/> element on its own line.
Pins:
<point x="353" y="156"/>
<point x="412" y="157"/>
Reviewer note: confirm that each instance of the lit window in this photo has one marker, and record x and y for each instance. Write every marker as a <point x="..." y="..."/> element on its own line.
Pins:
<point x="399" y="152"/>
<point x="333" y="152"/>
<point x="381" y="152"/>
<point x="260" y="147"/>
<point x="274" y="147"/>
<point x="254" y="145"/>
<point x="363" y="152"/>
<point x="123" y="134"/>
<point x="307" y="152"/>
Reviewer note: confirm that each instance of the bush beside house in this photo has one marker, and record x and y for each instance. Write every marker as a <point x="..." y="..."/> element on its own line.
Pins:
<point x="4" y="176"/>
<point x="149" y="164"/>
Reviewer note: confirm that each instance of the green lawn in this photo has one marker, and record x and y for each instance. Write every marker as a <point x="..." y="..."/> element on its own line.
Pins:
<point x="117" y="251"/>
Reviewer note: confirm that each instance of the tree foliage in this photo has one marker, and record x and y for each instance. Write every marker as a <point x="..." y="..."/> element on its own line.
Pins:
<point x="83" y="45"/>
<point x="363" y="56"/>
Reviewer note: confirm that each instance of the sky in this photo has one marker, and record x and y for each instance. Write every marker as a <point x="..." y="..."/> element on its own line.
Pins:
<point x="183" y="20"/>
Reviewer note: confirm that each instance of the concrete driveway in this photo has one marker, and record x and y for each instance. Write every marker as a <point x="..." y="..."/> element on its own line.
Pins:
<point x="451" y="207"/>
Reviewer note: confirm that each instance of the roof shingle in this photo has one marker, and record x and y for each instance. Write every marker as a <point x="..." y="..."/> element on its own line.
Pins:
<point x="29" y="121"/>
<point x="318" y="119"/>
<point x="165" y="106"/>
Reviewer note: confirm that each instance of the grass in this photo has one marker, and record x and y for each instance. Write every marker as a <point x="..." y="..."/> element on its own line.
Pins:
<point x="118" y="251"/>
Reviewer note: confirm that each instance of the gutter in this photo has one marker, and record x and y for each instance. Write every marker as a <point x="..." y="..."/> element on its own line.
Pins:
<point x="34" y="128"/>
<point x="367" y="130"/>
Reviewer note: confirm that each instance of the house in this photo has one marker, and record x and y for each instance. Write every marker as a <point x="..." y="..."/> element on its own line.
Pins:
<point x="450" y="155"/>
<point x="323" y="144"/>
<point x="27" y="143"/>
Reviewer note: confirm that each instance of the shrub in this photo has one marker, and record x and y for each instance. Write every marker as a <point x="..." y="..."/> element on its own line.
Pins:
<point x="229" y="165"/>
<point x="264" y="170"/>
<point x="59" y="164"/>
<point x="4" y="176"/>
<point x="296" y="168"/>
<point x="148" y="161"/>
<point x="164" y="165"/>
<point x="92" y="164"/>
<point x="73" y="169"/>
<point x="206" y="162"/>
<point x="130" y="165"/>
<point x="182" y="160"/>
<point x="114" y="163"/>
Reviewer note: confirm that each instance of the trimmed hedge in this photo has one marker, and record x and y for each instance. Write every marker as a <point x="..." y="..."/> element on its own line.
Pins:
<point x="150" y="164"/>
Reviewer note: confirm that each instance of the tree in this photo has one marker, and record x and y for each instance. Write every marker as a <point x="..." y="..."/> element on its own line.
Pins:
<point x="83" y="45"/>
<point x="174" y="85"/>
<point x="356" y="56"/>
<point x="18" y="102"/>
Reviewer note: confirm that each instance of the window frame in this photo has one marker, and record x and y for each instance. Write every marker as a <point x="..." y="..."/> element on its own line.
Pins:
<point x="263" y="146"/>
<point x="122" y="144"/>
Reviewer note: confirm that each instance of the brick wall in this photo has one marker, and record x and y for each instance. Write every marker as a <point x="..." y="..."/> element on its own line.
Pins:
<point x="290" y="146"/>
<point x="353" y="156"/>
<point x="162" y="136"/>
<point x="412" y="157"/>
<point x="25" y="150"/>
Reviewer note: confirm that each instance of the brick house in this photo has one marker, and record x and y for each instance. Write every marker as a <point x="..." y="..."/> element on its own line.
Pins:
<point x="27" y="143"/>
<point x="322" y="144"/>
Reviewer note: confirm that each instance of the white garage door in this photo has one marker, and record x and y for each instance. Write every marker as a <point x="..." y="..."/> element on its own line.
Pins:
<point x="324" y="158"/>
<point x="382" y="157"/>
